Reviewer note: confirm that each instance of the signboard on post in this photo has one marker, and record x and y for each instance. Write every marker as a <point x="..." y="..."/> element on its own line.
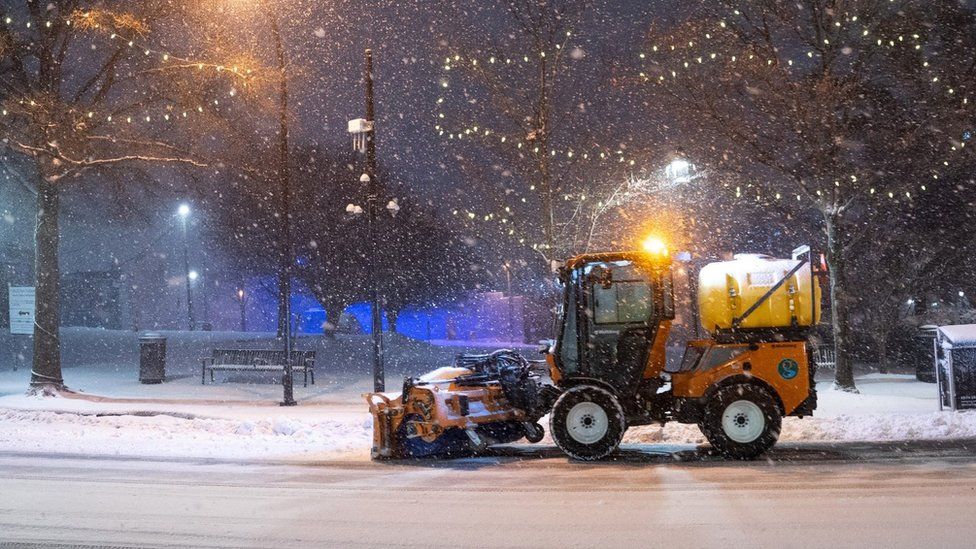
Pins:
<point x="22" y="310"/>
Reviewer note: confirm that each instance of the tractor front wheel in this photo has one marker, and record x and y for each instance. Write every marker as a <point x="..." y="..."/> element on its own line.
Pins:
<point x="741" y="421"/>
<point x="587" y="423"/>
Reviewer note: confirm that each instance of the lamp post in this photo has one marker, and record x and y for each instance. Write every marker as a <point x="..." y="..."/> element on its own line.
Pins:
<point x="242" y="300"/>
<point x="508" y="280"/>
<point x="286" y="260"/>
<point x="364" y="140"/>
<point x="184" y="212"/>
<point x="372" y="277"/>
<point x="284" y="276"/>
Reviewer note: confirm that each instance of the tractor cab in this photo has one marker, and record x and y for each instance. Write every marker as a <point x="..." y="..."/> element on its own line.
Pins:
<point x="616" y="312"/>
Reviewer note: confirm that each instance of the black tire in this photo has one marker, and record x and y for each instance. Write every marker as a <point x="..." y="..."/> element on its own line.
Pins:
<point x="452" y="443"/>
<point x="606" y="419"/>
<point x="501" y="432"/>
<point x="741" y="421"/>
<point x="533" y="432"/>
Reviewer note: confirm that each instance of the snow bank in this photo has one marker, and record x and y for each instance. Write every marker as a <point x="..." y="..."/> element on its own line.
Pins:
<point x="285" y="438"/>
<point x="227" y="421"/>
<point x="184" y="437"/>
<point x="889" y="408"/>
<point x="843" y="428"/>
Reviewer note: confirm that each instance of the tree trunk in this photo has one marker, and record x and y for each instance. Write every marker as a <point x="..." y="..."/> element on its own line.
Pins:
<point x="883" y="352"/>
<point x="839" y="303"/>
<point x="392" y="314"/>
<point x="333" y="315"/>
<point x="548" y="209"/>
<point x="283" y="288"/>
<point x="46" y="371"/>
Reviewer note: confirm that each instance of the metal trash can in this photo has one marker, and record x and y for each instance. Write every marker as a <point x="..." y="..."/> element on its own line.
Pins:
<point x="924" y="353"/>
<point x="152" y="358"/>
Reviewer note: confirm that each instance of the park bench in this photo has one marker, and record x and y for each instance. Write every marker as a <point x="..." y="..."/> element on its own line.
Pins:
<point x="258" y="360"/>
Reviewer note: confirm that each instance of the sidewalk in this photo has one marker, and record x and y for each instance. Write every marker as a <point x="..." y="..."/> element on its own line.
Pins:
<point x="238" y="417"/>
<point x="243" y="421"/>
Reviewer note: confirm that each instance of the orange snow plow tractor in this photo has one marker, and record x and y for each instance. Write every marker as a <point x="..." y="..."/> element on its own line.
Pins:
<point x="607" y="370"/>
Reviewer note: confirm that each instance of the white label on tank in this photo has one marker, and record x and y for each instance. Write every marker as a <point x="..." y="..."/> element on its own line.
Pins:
<point x="761" y="279"/>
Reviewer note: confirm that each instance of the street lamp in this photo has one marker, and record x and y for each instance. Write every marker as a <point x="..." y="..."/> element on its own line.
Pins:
<point x="508" y="280"/>
<point x="680" y="171"/>
<point x="363" y="132"/>
<point x="285" y="261"/>
<point x="393" y="208"/>
<point x="242" y="300"/>
<point x="184" y="213"/>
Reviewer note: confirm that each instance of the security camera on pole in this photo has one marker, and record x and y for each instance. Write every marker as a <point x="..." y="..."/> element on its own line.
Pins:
<point x="364" y="140"/>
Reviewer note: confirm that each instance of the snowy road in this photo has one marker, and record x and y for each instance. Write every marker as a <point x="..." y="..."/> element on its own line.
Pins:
<point x="920" y="494"/>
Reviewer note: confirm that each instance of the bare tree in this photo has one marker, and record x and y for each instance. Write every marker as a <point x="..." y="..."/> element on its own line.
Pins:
<point x="832" y="105"/>
<point x="518" y="86"/>
<point x="86" y="88"/>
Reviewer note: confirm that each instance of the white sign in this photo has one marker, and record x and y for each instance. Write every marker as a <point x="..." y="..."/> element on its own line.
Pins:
<point x="22" y="310"/>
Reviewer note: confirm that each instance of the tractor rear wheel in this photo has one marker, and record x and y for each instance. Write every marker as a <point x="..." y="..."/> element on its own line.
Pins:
<point x="587" y="423"/>
<point x="741" y="421"/>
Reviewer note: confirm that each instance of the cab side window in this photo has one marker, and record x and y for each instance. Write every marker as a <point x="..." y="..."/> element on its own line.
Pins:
<point x="627" y="300"/>
<point x="624" y="302"/>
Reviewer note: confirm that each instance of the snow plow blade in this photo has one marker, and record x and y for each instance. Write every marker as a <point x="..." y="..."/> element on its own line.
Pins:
<point x="459" y="411"/>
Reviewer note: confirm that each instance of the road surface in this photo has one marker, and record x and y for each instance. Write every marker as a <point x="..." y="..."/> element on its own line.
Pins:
<point x="846" y="495"/>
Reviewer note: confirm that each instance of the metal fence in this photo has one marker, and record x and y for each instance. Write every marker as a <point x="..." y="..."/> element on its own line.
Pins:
<point x="824" y="356"/>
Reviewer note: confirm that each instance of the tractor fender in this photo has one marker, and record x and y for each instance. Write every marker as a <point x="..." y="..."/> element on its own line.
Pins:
<point x="736" y="379"/>
<point x="568" y="384"/>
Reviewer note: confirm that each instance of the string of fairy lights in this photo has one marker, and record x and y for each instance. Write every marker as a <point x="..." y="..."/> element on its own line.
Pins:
<point x="690" y="55"/>
<point x="168" y="113"/>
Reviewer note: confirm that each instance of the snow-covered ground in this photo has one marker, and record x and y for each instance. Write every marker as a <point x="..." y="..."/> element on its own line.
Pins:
<point x="238" y="417"/>
<point x="889" y="407"/>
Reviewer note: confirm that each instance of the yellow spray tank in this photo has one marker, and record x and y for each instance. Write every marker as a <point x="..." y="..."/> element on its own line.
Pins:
<point x="759" y="292"/>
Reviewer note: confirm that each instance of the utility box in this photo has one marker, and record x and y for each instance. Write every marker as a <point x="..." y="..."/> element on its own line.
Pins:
<point x="955" y="366"/>
<point x="152" y="358"/>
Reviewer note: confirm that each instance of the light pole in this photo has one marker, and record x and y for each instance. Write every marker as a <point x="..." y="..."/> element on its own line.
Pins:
<point x="508" y="279"/>
<point x="364" y="140"/>
<point x="184" y="212"/>
<point x="242" y="300"/>
<point x="284" y="176"/>
<point x="286" y="260"/>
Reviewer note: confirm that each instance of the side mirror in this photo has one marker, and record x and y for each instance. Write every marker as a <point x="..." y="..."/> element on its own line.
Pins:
<point x="545" y="346"/>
